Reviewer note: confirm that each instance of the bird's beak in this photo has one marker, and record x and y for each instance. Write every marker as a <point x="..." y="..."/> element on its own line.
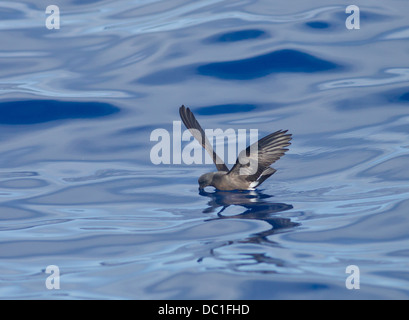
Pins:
<point x="202" y="186"/>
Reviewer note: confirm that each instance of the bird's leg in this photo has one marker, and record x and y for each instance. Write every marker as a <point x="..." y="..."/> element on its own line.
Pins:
<point x="219" y="214"/>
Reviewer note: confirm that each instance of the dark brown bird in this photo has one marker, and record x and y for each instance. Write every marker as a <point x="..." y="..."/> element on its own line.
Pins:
<point x="252" y="166"/>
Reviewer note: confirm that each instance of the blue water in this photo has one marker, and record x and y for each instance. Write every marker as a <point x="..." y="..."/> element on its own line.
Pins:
<point x="78" y="189"/>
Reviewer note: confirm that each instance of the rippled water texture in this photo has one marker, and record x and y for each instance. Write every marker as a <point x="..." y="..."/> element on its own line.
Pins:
<point x="78" y="189"/>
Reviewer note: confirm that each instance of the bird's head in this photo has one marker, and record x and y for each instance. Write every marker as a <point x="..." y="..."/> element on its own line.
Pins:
<point x="205" y="180"/>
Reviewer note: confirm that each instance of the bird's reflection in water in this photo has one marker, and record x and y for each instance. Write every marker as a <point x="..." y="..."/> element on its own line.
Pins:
<point x="256" y="205"/>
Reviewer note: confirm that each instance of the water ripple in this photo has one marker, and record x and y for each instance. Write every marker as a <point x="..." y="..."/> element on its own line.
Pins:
<point x="399" y="75"/>
<point x="115" y="18"/>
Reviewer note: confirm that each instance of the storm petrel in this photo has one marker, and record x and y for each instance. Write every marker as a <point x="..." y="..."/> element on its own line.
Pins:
<point x="252" y="166"/>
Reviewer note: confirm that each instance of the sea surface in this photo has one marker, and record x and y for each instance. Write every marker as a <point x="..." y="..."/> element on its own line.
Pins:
<point x="82" y="92"/>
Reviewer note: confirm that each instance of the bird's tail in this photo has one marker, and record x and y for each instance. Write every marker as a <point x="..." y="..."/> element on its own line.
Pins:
<point x="264" y="176"/>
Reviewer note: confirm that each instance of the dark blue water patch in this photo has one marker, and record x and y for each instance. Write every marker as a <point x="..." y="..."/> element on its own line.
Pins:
<point x="318" y="24"/>
<point x="235" y="36"/>
<point x="317" y="286"/>
<point x="404" y="97"/>
<point x="286" y="60"/>
<point x="398" y="96"/>
<point x="225" y="109"/>
<point x="39" y="111"/>
<point x="258" y="289"/>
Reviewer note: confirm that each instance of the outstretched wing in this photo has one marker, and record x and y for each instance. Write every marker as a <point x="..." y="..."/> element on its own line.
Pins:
<point x="196" y="130"/>
<point x="252" y="161"/>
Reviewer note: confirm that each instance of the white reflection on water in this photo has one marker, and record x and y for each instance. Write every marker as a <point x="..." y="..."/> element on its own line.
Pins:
<point x="399" y="75"/>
